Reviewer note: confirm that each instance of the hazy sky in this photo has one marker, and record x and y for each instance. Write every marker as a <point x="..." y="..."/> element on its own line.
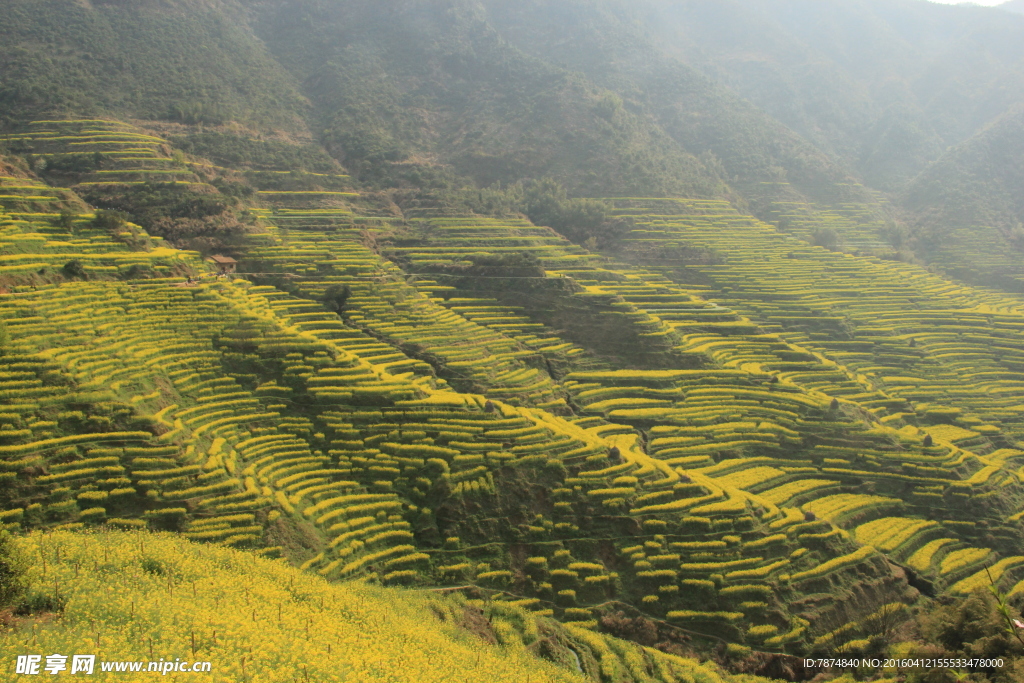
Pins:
<point x="987" y="3"/>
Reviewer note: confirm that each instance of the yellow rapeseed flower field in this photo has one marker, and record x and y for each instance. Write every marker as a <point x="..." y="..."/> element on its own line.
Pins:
<point x="139" y="596"/>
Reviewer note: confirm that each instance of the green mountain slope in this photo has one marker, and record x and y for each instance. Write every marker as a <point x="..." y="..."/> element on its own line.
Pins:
<point x="967" y="206"/>
<point x="191" y="60"/>
<point x="880" y="89"/>
<point x="610" y="99"/>
<point x="759" y="156"/>
<point x="885" y="86"/>
<point x="432" y="83"/>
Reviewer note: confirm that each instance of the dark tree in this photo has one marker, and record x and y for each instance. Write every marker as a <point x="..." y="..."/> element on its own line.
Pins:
<point x="335" y="298"/>
<point x="66" y="220"/>
<point x="12" y="573"/>
<point x="5" y="337"/>
<point x="111" y="221"/>
<point x="826" y="237"/>
<point x="75" y="269"/>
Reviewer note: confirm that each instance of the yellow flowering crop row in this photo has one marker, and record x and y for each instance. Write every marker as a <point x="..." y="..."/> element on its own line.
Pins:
<point x="745" y="479"/>
<point x="836" y="507"/>
<point x="835" y="564"/>
<point x="782" y="494"/>
<point x="921" y="560"/>
<point x="889" y="533"/>
<point x="983" y="578"/>
<point x="962" y="558"/>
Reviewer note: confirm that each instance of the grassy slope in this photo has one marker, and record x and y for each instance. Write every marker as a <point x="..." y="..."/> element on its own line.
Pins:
<point x="135" y="596"/>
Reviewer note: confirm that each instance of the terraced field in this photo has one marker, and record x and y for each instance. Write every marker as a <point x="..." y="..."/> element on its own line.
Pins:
<point x="862" y="229"/>
<point x="893" y="327"/>
<point x="476" y="346"/>
<point x="783" y="359"/>
<point x="855" y="227"/>
<point x="726" y="445"/>
<point x="766" y="397"/>
<point x="165" y="349"/>
<point x="101" y="152"/>
<point x="33" y="248"/>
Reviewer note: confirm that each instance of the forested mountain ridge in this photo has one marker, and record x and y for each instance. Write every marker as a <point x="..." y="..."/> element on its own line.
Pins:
<point x="763" y="159"/>
<point x="1013" y="6"/>
<point x="190" y="60"/>
<point x="433" y="82"/>
<point x="886" y="86"/>
<point x="967" y="208"/>
<point x="609" y="98"/>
